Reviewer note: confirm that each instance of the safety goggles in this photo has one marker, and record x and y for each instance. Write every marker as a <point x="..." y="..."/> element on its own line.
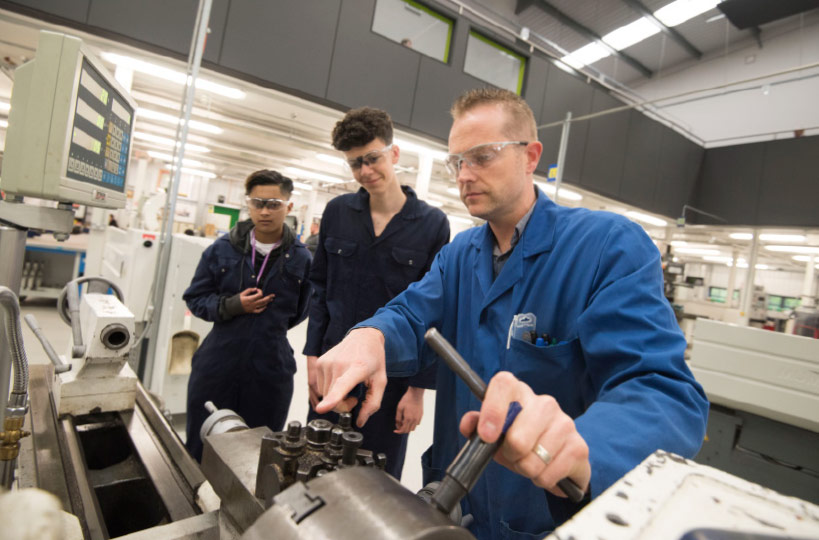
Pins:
<point x="271" y="204"/>
<point x="477" y="157"/>
<point x="369" y="159"/>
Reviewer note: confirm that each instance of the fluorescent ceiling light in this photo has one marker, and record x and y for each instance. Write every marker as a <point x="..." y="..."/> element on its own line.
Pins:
<point x="171" y="119"/>
<point x="801" y="258"/>
<point x="632" y="33"/>
<point x="440" y="155"/>
<point x="296" y="192"/>
<point x="301" y="173"/>
<point x="335" y="160"/>
<point x="172" y="75"/>
<point x="5" y="106"/>
<point x="762" y="267"/>
<point x="678" y="243"/>
<point x="742" y="236"/>
<point x="718" y="259"/>
<point x="567" y="194"/>
<point x="459" y="219"/>
<point x="302" y="185"/>
<point x="651" y="220"/>
<point x="195" y="172"/>
<point x="169" y="142"/>
<point x="168" y="157"/>
<point x="696" y="251"/>
<point x="436" y="204"/>
<point x="454" y="191"/>
<point x="682" y="10"/>
<point x="4" y="123"/>
<point x="583" y="56"/>
<point x="787" y="238"/>
<point x="794" y="249"/>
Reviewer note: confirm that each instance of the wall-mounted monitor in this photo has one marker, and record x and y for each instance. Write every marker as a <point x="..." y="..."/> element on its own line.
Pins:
<point x="70" y="127"/>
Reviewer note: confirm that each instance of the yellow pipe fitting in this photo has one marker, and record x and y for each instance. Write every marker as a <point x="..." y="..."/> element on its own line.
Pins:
<point x="10" y="438"/>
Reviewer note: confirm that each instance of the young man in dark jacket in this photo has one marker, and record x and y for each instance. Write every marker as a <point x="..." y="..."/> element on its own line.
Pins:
<point x="372" y="245"/>
<point x="252" y="283"/>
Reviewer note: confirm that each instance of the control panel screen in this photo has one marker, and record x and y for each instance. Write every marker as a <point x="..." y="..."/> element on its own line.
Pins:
<point x="100" y="137"/>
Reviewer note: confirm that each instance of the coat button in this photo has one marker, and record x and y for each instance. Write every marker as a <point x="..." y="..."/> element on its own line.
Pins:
<point x="410" y="262"/>
<point x="287" y="256"/>
<point x="339" y="252"/>
<point x="223" y="270"/>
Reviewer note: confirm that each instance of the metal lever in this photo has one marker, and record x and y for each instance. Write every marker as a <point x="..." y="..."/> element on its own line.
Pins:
<point x="456" y="363"/>
<point x="59" y="365"/>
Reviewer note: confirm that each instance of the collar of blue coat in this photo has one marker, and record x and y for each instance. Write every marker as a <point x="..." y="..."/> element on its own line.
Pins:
<point x="410" y="210"/>
<point x="539" y="234"/>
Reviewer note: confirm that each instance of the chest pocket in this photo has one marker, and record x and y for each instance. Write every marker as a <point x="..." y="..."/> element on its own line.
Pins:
<point x="407" y="265"/>
<point x="339" y="247"/>
<point x="557" y="370"/>
<point x="340" y="262"/>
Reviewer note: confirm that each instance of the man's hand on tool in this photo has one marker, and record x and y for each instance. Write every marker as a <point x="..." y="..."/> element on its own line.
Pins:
<point x="358" y="358"/>
<point x="541" y="444"/>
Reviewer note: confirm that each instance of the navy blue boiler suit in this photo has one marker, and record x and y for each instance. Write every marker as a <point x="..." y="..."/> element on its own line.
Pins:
<point x="355" y="273"/>
<point x="246" y="363"/>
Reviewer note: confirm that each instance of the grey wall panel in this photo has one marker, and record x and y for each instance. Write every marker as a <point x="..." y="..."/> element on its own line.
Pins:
<point x="680" y="164"/>
<point x="159" y="22"/>
<point x="369" y="69"/>
<point x="605" y="147"/>
<point x="641" y="167"/>
<point x="729" y="183"/>
<point x="287" y="43"/>
<point x="74" y="10"/>
<point x="789" y="190"/>
<point x="537" y="71"/>
<point x="565" y="93"/>
<point x="441" y="84"/>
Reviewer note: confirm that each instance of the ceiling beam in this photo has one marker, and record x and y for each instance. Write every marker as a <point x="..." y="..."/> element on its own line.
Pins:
<point x="678" y="38"/>
<point x="583" y="31"/>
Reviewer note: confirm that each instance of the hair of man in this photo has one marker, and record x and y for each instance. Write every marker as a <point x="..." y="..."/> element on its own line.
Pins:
<point x="361" y="126"/>
<point x="521" y="118"/>
<point x="267" y="177"/>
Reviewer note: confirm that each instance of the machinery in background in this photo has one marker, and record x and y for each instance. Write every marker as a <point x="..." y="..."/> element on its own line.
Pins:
<point x="764" y="393"/>
<point x="180" y="333"/>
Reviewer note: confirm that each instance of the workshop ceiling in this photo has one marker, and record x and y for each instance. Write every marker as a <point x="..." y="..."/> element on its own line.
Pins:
<point x="270" y="129"/>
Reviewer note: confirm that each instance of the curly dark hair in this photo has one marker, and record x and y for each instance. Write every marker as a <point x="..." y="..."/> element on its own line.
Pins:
<point x="361" y="126"/>
<point x="267" y="177"/>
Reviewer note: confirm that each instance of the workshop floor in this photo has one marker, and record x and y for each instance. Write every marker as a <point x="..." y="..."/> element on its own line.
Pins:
<point x="59" y="334"/>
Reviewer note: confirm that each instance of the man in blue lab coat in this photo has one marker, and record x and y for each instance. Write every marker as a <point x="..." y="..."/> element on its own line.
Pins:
<point x="601" y="392"/>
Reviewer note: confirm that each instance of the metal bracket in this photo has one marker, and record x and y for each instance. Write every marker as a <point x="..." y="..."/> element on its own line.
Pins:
<point x="298" y="498"/>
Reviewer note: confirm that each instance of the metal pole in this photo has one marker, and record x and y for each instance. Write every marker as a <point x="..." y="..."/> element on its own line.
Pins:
<point x="561" y="153"/>
<point x="748" y="293"/>
<point x="12" y="253"/>
<point x="194" y="61"/>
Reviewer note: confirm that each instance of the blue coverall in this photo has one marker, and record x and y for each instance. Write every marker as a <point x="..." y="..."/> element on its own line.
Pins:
<point x="246" y="363"/>
<point x="354" y="273"/>
<point x="594" y="282"/>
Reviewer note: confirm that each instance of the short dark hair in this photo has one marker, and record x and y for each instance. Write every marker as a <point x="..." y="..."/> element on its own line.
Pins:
<point x="360" y="127"/>
<point x="267" y="177"/>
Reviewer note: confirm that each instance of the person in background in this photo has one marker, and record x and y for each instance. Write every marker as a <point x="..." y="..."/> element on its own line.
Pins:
<point x="252" y="283"/>
<point x="407" y="42"/>
<point x="372" y="245"/>
<point x="312" y="240"/>
<point x="112" y="221"/>
<point x="560" y="309"/>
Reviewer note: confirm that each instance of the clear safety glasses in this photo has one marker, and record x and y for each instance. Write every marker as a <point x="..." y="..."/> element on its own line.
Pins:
<point x="271" y="204"/>
<point x="478" y="157"/>
<point x="369" y="159"/>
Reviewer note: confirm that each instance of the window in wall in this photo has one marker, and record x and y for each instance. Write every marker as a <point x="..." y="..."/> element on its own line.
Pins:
<point x="494" y="63"/>
<point x="415" y="26"/>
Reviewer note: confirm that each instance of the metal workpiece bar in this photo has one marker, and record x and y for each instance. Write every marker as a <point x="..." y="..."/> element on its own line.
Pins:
<point x="678" y="38"/>
<point x="459" y="474"/>
<point x="88" y="511"/>
<point x="59" y="365"/>
<point x="456" y="363"/>
<point x="188" y="467"/>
